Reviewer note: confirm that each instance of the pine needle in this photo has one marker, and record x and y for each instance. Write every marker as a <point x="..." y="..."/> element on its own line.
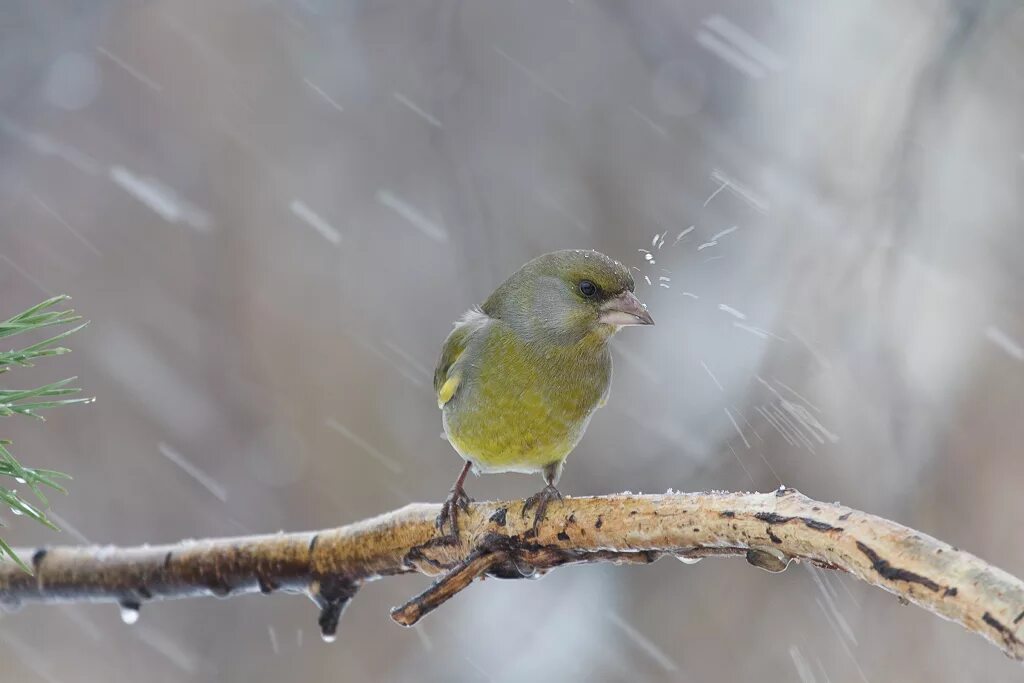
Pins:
<point x="28" y="402"/>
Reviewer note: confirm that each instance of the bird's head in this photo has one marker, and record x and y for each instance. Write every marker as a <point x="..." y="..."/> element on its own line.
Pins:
<point x="565" y="296"/>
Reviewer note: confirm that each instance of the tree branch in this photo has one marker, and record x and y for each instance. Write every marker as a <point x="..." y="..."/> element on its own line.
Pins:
<point x="769" y="529"/>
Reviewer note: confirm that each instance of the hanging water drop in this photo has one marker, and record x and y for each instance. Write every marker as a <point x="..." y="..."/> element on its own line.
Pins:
<point x="768" y="559"/>
<point x="689" y="560"/>
<point x="129" y="612"/>
<point x="329" y="637"/>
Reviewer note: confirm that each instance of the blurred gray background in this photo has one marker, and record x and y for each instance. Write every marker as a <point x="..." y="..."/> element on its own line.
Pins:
<point x="272" y="211"/>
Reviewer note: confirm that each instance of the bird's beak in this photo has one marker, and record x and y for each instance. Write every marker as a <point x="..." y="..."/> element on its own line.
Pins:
<point x="625" y="309"/>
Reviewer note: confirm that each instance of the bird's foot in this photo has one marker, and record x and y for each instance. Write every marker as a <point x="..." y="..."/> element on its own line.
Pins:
<point x="541" y="500"/>
<point x="457" y="500"/>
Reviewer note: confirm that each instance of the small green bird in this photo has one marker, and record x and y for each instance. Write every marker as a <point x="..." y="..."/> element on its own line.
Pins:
<point x="520" y="377"/>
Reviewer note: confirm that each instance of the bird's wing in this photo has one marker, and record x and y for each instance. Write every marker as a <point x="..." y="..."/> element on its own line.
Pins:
<point x="447" y="375"/>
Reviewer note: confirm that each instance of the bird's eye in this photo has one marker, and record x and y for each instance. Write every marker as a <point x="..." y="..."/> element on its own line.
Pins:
<point x="587" y="288"/>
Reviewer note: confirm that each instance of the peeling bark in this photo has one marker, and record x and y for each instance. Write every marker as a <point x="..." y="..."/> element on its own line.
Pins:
<point x="329" y="566"/>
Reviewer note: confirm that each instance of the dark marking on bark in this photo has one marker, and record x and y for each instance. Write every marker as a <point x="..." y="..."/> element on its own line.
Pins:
<point x="887" y="571"/>
<point x="499" y="516"/>
<point x="773" y="537"/>
<point x="1008" y="636"/>
<point x="514" y="544"/>
<point x="562" y="536"/>
<point x="267" y="586"/>
<point x="600" y="522"/>
<point x="843" y="517"/>
<point x="417" y="555"/>
<point x="651" y="555"/>
<point x="727" y="513"/>
<point x="950" y="592"/>
<point x="144" y="592"/>
<point x="37" y="557"/>
<point x="1020" y="616"/>
<point x="438" y="541"/>
<point x="772" y="517"/>
<point x="696" y="529"/>
<point x="809" y="522"/>
<point x="312" y="542"/>
<point x="167" y="559"/>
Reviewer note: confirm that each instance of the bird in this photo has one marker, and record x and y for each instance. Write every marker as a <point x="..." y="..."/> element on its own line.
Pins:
<point x="521" y="375"/>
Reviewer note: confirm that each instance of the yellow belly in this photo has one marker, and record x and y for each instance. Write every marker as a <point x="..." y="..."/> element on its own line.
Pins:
<point x="517" y="409"/>
<point x="524" y="439"/>
<point x="522" y="420"/>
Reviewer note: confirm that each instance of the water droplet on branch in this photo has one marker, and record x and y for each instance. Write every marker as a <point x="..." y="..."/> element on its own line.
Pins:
<point x="129" y="612"/>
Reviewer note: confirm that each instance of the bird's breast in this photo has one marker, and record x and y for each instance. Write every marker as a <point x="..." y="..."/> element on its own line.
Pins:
<point x="521" y="409"/>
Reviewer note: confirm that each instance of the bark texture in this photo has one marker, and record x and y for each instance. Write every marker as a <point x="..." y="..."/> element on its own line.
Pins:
<point x="768" y="529"/>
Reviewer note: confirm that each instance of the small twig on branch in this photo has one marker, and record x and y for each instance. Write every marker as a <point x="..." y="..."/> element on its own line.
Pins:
<point x="478" y="563"/>
<point x="769" y="529"/>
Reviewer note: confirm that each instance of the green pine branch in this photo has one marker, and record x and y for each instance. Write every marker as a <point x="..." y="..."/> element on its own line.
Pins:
<point x="29" y="402"/>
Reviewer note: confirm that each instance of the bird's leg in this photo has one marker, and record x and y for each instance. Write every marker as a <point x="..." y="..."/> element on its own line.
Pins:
<point x="543" y="498"/>
<point x="456" y="499"/>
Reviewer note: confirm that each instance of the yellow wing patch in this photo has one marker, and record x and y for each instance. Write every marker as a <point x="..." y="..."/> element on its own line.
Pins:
<point x="447" y="390"/>
<point x="446" y="376"/>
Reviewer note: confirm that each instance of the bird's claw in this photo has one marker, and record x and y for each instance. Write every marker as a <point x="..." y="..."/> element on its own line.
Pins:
<point x="462" y="499"/>
<point x="457" y="499"/>
<point x="541" y="500"/>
